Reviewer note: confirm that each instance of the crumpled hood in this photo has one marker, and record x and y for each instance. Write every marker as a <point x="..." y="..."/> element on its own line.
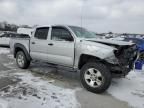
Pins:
<point x="111" y="42"/>
<point x="96" y="49"/>
<point x="97" y="44"/>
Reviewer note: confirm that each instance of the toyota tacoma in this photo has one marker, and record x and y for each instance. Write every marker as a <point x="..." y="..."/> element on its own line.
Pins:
<point x="97" y="60"/>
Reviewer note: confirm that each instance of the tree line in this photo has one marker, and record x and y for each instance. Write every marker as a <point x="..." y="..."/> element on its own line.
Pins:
<point x="5" y="26"/>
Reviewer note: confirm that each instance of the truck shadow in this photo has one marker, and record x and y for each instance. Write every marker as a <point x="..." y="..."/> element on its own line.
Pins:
<point x="67" y="78"/>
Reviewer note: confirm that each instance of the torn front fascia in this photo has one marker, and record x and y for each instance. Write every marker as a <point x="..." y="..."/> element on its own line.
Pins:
<point x="120" y="69"/>
<point x="126" y="54"/>
<point x="127" y="58"/>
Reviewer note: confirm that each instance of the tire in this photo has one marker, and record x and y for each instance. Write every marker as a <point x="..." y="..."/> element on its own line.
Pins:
<point x="21" y="60"/>
<point x="95" y="82"/>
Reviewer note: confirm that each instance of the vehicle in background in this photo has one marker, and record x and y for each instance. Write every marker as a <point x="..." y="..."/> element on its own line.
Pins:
<point x="27" y="31"/>
<point x="117" y="38"/>
<point x="137" y="41"/>
<point x="5" y="38"/>
<point x="1" y="33"/>
<point x="140" y="45"/>
<point x="77" y="49"/>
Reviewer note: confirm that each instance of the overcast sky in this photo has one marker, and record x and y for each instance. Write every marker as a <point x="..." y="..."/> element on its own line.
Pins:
<point x="97" y="15"/>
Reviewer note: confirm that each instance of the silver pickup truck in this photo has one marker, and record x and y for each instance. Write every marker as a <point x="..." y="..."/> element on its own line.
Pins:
<point x="76" y="48"/>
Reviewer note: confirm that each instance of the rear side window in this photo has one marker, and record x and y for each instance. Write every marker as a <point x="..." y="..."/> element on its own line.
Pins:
<point x="41" y="33"/>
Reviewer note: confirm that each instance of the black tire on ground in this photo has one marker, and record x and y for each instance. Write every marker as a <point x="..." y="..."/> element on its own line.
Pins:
<point x="105" y="73"/>
<point x="25" y="64"/>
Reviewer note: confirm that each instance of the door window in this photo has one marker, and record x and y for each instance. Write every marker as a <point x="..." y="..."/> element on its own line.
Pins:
<point x="41" y="33"/>
<point x="61" y="34"/>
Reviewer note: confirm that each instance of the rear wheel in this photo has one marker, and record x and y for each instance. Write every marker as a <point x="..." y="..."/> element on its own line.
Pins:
<point x="95" y="77"/>
<point x="21" y="60"/>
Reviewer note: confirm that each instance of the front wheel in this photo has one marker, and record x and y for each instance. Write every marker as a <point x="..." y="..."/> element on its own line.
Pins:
<point x="95" y="77"/>
<point x="21" y="60"/>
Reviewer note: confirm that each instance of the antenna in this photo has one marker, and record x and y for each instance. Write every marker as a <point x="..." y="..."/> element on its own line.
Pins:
<point x="82" y="4"/>
<point x="81" y="13"/>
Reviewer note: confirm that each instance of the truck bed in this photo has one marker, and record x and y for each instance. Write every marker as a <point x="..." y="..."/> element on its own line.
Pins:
<point x="25" y="41"/>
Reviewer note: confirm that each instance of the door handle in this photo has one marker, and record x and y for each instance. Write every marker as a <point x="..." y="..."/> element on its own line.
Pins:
<point x="33" y="42"/>
<point x="50" y="44"/>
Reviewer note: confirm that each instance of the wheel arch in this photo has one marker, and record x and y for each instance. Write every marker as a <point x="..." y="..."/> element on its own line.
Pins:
<point x="84" y="58"/>
<point x="20" y="47"/>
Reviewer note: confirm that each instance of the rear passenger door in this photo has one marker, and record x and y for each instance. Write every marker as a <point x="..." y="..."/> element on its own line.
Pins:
<point x="39" y="44"/>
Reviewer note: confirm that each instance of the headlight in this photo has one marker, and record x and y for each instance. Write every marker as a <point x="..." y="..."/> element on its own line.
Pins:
<point x="112" y="59"/>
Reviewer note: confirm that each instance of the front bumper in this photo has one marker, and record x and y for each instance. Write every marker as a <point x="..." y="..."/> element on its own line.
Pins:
<point x="120" y="71"/>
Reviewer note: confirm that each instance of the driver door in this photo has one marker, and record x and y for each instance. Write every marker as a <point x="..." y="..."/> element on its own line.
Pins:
<point x="61" y="47"/>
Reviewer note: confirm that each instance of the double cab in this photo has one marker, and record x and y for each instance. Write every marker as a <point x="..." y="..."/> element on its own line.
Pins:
<point x="97" y="60"/>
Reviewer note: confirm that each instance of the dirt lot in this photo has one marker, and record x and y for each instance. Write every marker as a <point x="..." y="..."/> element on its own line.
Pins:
<point x="44" y="86"/>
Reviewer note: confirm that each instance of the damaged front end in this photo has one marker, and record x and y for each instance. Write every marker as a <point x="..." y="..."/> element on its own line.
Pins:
<point x="121" y="61"/>
<point x="125" y="58"/>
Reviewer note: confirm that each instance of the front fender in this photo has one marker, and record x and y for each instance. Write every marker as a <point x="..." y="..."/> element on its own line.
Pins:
<point x="94" y="51"/>
<point x="99" y="52"/>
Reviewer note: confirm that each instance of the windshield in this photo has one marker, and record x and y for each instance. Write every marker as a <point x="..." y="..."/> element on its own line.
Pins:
<point x="82" y="33"/>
